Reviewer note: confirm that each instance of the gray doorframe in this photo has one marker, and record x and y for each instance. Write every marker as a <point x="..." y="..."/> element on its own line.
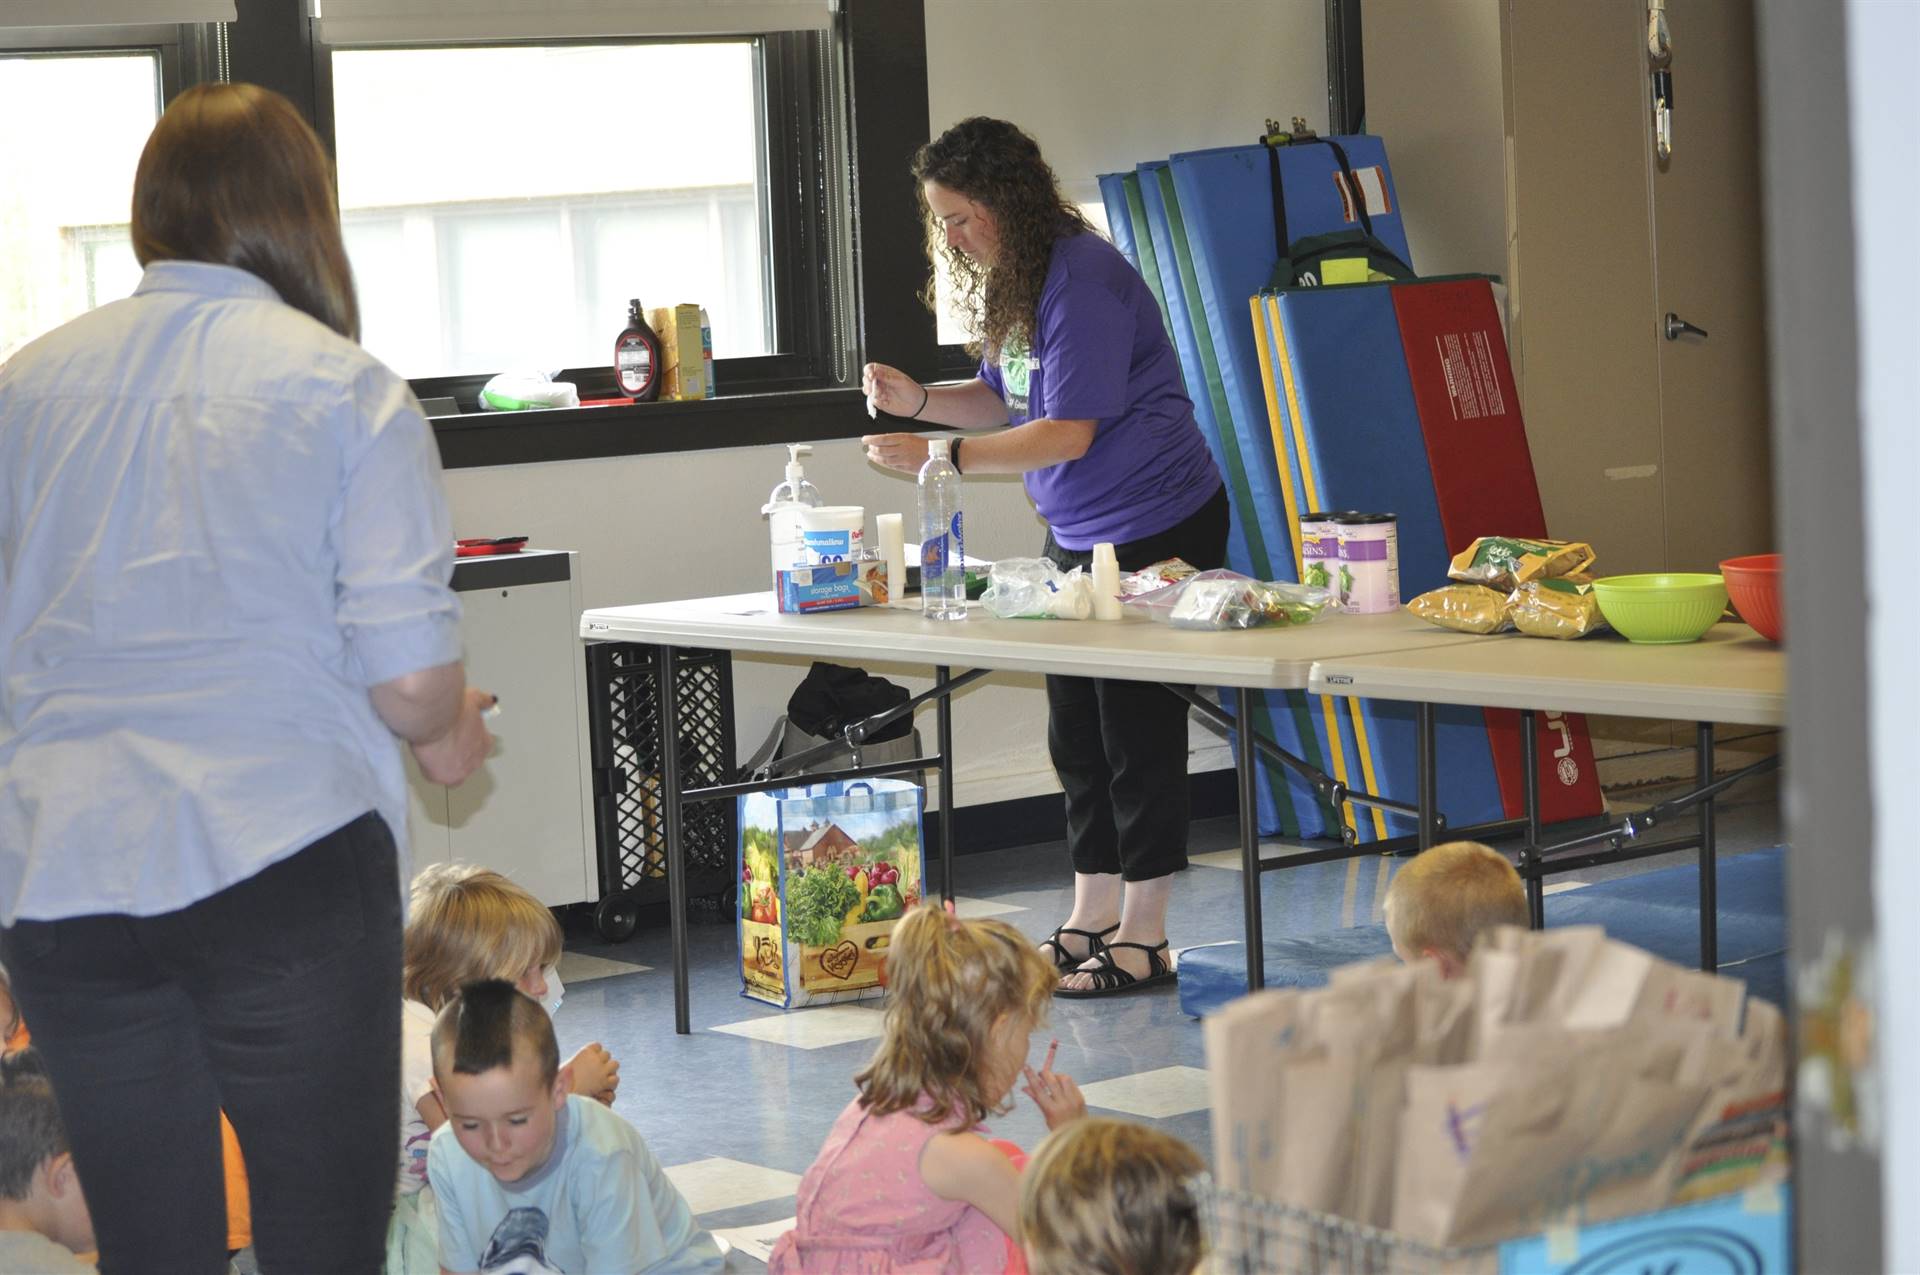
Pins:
<point x="1815" y="349"/>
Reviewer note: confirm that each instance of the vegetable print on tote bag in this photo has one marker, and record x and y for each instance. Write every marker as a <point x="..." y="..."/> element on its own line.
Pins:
<point x="825" y="871"/>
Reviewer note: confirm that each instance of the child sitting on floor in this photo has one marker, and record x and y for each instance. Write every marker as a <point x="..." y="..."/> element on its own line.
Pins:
<point x="44" y="1222"/>
<point x="905" y="1180"/>
<point x="530" y="1178"/>
<point x="1441" y="901"/>
<point x="1108" y="1197"/>
<point x="465" y="923"/>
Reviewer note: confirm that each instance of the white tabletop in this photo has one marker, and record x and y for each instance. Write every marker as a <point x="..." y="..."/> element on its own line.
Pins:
<point x="1731" y="675"/>
<point x="1134" y="648"/>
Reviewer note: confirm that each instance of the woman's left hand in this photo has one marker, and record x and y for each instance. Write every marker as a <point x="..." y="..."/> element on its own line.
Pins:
<point x="904" y="452"/>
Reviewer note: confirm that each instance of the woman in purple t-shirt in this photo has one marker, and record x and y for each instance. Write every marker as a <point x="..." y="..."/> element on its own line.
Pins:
<point x="1077" y="368"/>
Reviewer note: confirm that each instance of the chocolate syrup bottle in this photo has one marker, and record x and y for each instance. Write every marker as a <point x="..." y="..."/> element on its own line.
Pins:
<point x="636" y="358"/>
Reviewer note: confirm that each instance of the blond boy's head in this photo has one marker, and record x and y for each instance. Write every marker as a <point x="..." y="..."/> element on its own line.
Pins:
<point x="1107" y="1197"/>
<point x="1440" y="902"/>
<point x="466" y="924"/>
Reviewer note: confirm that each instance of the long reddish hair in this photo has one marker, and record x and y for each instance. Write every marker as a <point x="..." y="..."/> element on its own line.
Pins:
<point x="234" y="176"/>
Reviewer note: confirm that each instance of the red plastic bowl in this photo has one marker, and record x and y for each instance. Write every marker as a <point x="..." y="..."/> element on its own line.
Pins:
<point x="1753" y="585"/>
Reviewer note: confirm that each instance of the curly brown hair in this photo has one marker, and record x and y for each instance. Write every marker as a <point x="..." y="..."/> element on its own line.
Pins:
<point x="993" y="163"/>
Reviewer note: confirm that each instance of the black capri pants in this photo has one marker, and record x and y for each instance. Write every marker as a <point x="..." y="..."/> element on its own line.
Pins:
<point x="1120" y="747"/>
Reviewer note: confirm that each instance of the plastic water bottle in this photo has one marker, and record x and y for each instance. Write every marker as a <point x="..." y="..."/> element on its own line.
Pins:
<point x="943" y="541"/>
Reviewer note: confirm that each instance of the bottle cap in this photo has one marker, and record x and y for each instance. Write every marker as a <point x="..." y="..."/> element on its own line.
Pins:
<point x="936" y="447"/>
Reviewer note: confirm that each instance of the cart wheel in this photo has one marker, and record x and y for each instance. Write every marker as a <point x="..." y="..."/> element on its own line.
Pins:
<point x="615" y="918"/>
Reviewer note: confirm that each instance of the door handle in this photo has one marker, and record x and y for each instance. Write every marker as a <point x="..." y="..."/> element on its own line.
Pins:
<point x="1678" y="327"/>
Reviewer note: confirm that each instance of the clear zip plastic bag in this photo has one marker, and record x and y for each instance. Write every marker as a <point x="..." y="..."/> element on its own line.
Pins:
<point x="1221" y="600"/>
<point x="1034" y="588"/>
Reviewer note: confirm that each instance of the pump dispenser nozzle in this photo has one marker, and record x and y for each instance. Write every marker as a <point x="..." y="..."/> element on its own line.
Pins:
<point x="794" y="452"/>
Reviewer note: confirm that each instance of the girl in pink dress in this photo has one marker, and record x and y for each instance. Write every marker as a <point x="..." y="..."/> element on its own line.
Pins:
<point x="907" y="1184"/>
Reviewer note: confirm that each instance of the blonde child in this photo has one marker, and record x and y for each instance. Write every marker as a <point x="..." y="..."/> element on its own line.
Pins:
<point x="906" y="1181"/>
<point x="1441" y="901"/>
<point x="44" y="1223"/>
<point x="465" y="923"/>
<point x="1107" y="1197"/>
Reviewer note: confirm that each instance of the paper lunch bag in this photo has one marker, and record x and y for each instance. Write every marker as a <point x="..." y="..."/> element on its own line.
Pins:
<point x="825" y="871"/>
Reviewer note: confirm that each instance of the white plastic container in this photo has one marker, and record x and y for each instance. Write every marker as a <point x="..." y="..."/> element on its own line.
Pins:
<point x="832" y="533"/>
<point x="782" y="511"/>
<point x="1105" y="585"/>
<point x="891" y="530"/>
<point x="1369" y="562"/>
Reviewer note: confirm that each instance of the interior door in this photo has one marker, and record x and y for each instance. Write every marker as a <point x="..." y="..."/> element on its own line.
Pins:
<point x="1582" y="272"/>
<point x="1707" y="271"/>
<point x="1655" y="450"/>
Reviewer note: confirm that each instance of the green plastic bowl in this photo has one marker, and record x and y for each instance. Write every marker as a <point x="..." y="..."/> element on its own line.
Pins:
<point x="1664" y="608"/>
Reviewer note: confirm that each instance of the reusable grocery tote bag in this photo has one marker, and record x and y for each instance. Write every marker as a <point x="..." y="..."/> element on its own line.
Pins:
<point x="825" y="871"/>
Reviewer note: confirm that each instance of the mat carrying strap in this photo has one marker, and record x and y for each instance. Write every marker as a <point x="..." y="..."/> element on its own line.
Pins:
<point x="1301" y="263"/>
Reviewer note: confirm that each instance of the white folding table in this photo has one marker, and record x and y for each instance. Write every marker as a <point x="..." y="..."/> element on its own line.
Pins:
<point x="1731" y="675"/>
<point x="1274" y="659"/>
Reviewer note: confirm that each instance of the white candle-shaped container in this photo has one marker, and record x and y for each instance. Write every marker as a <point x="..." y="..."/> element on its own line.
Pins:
<point x="893" y="547"/>
<point x="1106" y="583"/>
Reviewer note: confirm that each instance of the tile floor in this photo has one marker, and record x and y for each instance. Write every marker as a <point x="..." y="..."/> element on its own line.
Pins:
<point x="737" y="1109"/>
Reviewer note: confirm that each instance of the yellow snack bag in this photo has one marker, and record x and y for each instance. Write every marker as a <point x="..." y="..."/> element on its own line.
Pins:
<point x="1506" y="562"/>
<point x="1556" y="609"/>
<point x="1464" y="608"/>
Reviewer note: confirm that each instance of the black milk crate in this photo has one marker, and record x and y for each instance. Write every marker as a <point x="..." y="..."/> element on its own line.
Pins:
<point x="629" y="810"/>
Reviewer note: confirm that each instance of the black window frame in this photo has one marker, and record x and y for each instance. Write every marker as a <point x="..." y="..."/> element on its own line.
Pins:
<point x="188" y="53"/>
<point x="797" y="81"/>
<point x="878" y="89"/>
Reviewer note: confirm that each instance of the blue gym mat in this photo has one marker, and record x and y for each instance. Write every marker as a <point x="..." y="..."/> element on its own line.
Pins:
<point x="1357" y="444"/>
<point x="1281" y="716"/>
<point x="1657" y="910"/>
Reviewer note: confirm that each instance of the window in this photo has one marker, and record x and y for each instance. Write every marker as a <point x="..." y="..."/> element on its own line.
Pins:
<point x="64" y="244"/>
<point x="503" y="203"/>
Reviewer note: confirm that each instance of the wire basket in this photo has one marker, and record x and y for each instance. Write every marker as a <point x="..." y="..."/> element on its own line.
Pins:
<point x="626" y="735"/>
<point x="1251" y="1235"/>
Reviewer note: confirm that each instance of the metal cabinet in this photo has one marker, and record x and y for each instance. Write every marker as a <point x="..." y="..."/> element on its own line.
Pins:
<point x="528" y="812"/>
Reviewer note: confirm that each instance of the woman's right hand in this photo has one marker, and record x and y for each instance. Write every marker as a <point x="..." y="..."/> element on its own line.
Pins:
<point x="454" y="756"/>
<point x="891" y="390"/>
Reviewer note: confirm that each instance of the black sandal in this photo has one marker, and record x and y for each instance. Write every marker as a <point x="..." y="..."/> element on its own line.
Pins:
<point x="1110" y="980"/>
<point x="1064" y="962"/>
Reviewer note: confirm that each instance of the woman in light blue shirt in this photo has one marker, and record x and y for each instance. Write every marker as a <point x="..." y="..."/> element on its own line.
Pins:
<point x="224" y="604"/>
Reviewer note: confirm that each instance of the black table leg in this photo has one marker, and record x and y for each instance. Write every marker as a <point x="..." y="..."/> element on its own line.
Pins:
<point x="1425" y="763"/>
<point x="1709" y="874"/>
<point x="1530" y="848"/>
<point x="1249" y="839"/>
<point x="943" y="715"/>
<point x="676" y="844"/>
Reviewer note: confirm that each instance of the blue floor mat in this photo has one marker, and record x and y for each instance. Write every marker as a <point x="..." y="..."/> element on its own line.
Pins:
<point x="1658" y="911"/>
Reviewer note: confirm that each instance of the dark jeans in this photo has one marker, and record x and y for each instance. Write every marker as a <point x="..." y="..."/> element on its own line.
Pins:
<point x="277" y="1000"/>
<point x="1120" y="747"/>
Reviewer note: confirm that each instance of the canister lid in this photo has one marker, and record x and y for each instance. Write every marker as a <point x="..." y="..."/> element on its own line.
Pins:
<point x="1351" y="518"/>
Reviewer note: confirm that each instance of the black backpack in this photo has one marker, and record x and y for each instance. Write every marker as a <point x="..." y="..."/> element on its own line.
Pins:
<point x="1301" y="263"/>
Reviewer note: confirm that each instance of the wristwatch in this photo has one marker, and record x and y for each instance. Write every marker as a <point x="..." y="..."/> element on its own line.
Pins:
<point x="953" y="454"/>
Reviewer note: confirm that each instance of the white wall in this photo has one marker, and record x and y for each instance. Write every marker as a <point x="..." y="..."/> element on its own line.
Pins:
<point x="1105" y="84"/>
<point x="1434" y="93"/>
<point x="688" y="524"/>
<point x="1885" y="100"/>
